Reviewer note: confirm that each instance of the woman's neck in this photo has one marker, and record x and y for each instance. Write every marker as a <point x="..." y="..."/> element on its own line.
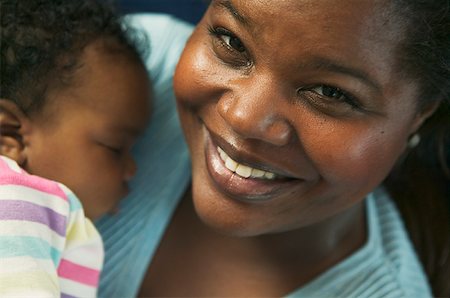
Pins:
<point x="273" y="264"/>
<point x="309" y="251"/>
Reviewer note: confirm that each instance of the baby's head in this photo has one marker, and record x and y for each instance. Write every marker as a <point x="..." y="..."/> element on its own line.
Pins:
<point x="74" y="95"/>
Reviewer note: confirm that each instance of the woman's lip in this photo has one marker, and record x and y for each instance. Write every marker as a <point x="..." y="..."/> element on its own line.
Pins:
<point x="237" y="187"/>
<point x="245" y="159"/>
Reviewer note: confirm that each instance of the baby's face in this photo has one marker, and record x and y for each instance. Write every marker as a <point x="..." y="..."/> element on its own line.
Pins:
<point x="84" y="141"/>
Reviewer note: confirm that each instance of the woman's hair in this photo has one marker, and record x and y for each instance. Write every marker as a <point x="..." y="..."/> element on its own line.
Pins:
<point x="420" y="182"/>
<point x="42" y="42"/>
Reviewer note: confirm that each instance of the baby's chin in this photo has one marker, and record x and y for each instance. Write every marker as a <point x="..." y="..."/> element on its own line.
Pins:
<point x="96" y="212"/>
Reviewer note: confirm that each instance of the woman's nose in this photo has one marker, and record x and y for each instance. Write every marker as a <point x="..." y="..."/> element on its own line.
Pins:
<point x="256" y="112"/>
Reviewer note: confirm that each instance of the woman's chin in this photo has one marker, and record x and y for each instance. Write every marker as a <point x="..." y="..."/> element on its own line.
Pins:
<point x="224" y="215"/>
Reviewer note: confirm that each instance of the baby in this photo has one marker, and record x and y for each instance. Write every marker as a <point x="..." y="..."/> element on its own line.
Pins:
<point x="74" y="97"/>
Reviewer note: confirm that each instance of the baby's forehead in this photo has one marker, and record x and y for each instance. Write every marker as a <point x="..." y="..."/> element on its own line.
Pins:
<point x="102" y="83"/>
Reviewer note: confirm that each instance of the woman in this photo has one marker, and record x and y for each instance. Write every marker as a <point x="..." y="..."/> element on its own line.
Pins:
<point x="295" y="114"/>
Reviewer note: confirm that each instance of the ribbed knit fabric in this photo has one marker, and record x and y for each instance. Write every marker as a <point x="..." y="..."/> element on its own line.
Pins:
<point x="385" y="267"/>
<point x="47" y="246"/>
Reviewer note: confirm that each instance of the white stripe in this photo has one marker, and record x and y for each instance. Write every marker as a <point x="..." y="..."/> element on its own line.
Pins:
<point x="29" y="284"/>
<point x="12" y="164"/>
<point x="89" y="255"/>
<point x="30" y="292"/>
<point x="26" y="264"/>
<point x="84" y="245"/>
<point x="76" y="289"/>
<point x="19" y="228"/>
<point x="23" y="193"/>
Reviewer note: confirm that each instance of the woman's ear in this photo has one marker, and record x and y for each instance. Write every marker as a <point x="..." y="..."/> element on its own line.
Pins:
<point x="13" y="124"/>
<point x="423" y="115"/>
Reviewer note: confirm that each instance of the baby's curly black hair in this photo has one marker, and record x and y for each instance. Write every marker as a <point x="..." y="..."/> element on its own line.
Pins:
<point x="42" y="41"/>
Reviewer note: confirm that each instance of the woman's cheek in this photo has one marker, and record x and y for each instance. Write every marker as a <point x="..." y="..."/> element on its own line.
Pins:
<point x="361" y="161"/>
<point x="196" y="77"/>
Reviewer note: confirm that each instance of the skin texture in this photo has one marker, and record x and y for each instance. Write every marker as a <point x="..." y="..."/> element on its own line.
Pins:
<point x="84" y="135"/>
<point x="251" y="80"/>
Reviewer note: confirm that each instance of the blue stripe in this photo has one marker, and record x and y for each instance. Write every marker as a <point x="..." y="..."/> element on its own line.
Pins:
<point x="20" y="246"/>
<point x="74" y="202"/>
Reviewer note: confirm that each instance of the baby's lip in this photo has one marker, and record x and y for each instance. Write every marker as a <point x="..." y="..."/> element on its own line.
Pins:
<point x="115" y="210"/>
<point x="125" y="192"/>
<point x="127" y="188"/>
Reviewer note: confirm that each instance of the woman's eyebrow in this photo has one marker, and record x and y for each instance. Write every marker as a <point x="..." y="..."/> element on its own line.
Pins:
<point x="233" y="11"/>
<point x="316" y="62"/>
<point x="330" y="65"/>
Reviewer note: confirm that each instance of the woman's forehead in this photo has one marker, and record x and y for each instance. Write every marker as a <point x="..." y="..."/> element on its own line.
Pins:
<point x="359" y="35"/>
<point x="263" y="12"/>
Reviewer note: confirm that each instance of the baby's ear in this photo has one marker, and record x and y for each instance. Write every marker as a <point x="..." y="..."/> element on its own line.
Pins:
<point x="13" y="124"/>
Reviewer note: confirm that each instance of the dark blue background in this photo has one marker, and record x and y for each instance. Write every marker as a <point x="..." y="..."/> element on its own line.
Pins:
<point x="188" y="10"/>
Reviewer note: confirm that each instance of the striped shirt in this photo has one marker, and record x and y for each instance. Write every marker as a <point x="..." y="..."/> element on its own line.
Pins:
<point x="48" y="248"/>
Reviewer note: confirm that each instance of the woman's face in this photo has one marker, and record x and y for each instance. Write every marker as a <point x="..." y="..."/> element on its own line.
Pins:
<point x="293" y="110"/>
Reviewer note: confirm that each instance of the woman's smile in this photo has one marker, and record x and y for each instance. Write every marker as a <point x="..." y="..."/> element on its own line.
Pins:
<point x="243" y="178"/>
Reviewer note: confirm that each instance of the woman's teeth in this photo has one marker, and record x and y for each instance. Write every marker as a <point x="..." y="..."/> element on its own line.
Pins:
<point x="244" y="171"/>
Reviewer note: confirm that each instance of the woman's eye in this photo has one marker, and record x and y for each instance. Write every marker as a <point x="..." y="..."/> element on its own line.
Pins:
<point x="330" y="100"/>
<point x="229" y="48"/>
<point x="335" y="93"/>
<point x="329" y="91"/>
<point x="232" y="42"/>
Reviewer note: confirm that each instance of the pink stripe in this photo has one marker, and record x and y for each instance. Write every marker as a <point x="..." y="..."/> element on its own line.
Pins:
<point x="8" y="177"/>
<point x="78" y="273"/>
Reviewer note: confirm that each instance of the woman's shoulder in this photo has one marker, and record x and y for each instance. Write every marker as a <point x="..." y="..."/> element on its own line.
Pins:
<point x="150" y="20"/>
<point x="398" y="257"/>
<point x="160" y="27"/>
<point x="386" y="266"/>
<point x="166" y="36"/>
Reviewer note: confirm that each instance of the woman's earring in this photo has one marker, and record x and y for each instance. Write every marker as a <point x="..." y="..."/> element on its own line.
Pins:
<point x="414" y="140"/>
